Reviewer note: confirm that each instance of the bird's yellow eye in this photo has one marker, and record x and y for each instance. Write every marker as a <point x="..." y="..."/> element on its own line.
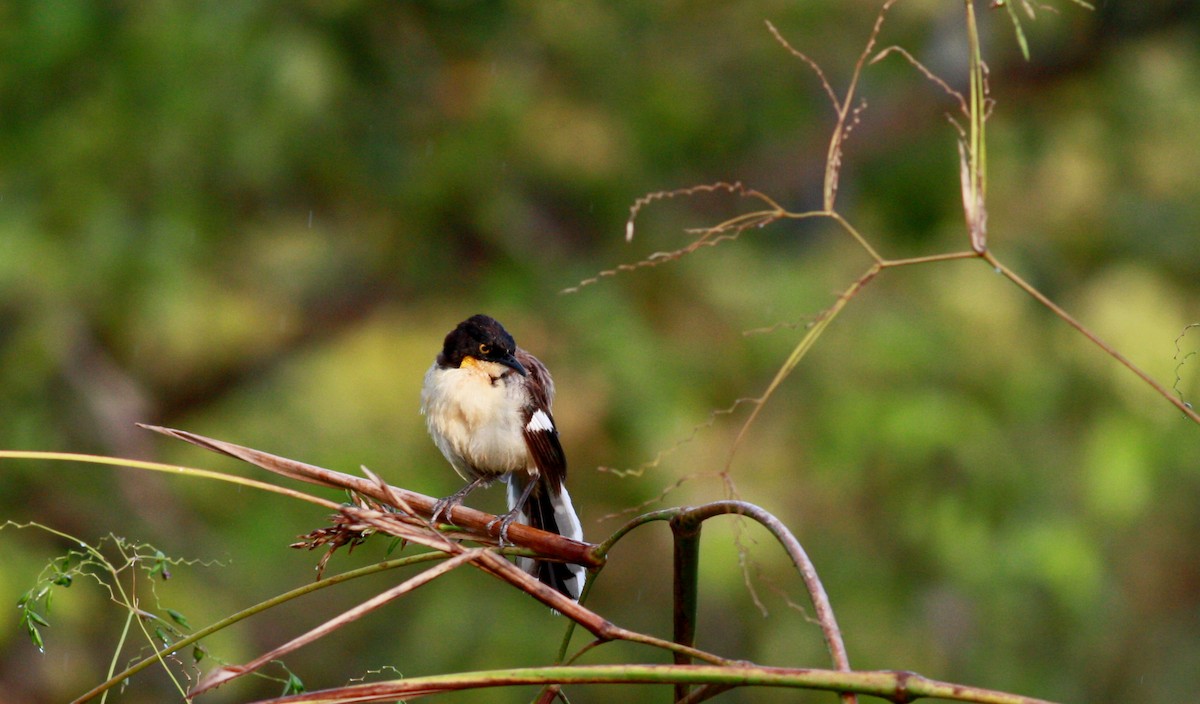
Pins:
<point x="485" y="349"/>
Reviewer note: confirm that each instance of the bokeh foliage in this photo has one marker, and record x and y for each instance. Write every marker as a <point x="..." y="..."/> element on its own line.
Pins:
<point x="257" y="220"/>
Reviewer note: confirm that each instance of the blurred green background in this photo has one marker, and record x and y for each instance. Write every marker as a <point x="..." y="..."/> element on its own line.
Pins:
<point x="256" y="221"/>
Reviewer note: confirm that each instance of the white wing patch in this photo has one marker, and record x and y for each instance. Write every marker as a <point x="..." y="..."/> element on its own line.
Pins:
<point x="540" y="421"/>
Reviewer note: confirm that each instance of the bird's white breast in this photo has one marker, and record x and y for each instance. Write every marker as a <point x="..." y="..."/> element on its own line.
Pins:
<point x="475" y="416"/>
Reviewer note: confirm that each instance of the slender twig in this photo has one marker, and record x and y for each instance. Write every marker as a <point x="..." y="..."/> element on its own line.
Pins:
<point x="219" y="677"/>
<point x="168" y="469"/>
<point x="888" y="684"/>
<point x="798" y="352"/>
<point x="1091" y="336"/>
<point x="930" y="75"/>
<point x="929" y="259"/>
<point x="833" y="157"/>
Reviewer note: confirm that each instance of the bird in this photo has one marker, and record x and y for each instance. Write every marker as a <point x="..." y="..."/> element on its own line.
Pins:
<point x="487" y="406"/>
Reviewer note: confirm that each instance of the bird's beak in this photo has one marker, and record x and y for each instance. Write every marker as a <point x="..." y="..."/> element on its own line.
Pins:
<point x="512" y="363"/>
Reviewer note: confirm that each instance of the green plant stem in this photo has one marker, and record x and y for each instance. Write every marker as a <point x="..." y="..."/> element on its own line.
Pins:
<point x="806" y="343"/>
<point x="894" y="685"/>
<point x="167" y="469"/>
<point x="928" y="259"/>
<point x="112" y="665"/>
<point x="976" y="187"/>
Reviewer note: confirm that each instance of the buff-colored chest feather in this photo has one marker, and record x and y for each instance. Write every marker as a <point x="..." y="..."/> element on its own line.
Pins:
<point x="475" y="416"/>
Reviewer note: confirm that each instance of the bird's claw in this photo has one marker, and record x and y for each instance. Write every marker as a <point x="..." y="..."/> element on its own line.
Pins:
<point x="505" y="521"/>
<point x="443" y="509"/>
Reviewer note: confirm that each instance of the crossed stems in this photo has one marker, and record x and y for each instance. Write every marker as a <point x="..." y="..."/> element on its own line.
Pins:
<point x="410" y="522"/>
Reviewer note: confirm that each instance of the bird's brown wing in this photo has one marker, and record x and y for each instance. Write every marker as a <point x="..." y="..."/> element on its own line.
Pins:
<point x="541" y="434"/>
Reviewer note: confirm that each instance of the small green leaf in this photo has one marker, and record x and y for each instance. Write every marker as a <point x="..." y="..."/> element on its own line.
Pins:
<point x="35" y="617"/>
<point x="1017" y="29"/>
<point x="64" y="580"/>
<point x="161" y="566"/>
<point x="198" y="653"/>
<point x="293" y="685"/>
<point x="36" y="636"/>
<point x="179" y="618"/>
<point x="161" y="634"/>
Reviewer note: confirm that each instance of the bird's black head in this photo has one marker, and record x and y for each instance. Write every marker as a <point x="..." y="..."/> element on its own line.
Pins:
<point x="480" y="337"/>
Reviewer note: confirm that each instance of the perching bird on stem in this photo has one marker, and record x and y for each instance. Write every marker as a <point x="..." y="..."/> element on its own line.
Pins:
<point x="487" y="404"/>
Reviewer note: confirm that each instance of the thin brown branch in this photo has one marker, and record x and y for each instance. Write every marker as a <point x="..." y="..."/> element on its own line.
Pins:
<point x="930" y="259"/>
<point x="816" y="68"/>
<point x="707" y="237"/>
<point x="735" y="188"/>
<point x="691" y="517"/>
<point x="854" y="233"/>
<point x="1111" y="351"/>
<point x="219" y="677"/>
<point x="833" y="158"/>
<point x="930" y="75"/>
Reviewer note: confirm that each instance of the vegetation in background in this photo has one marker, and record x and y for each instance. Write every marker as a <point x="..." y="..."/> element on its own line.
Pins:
<point x="254" y="222"/>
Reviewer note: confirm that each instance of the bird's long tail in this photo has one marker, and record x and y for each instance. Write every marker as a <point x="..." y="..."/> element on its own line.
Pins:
<point x="549" y="509"/>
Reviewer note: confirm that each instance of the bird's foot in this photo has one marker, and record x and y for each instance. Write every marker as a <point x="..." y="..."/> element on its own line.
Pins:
<point x="444" y="507"/>
<point x="505" y="520"/>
